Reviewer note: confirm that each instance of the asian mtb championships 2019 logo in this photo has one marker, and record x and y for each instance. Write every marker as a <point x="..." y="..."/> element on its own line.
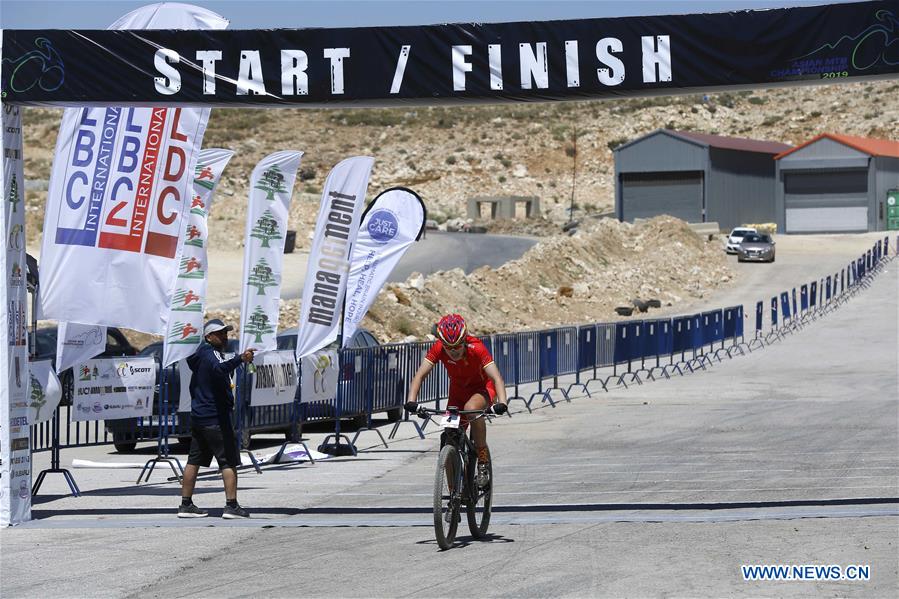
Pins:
<point x="383" y="226"/>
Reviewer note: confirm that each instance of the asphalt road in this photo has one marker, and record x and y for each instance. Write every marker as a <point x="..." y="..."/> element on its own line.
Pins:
<point x="788" y="455"/>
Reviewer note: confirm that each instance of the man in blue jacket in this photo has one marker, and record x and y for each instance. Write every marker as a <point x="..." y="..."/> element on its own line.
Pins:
<point x="212" y="430"/>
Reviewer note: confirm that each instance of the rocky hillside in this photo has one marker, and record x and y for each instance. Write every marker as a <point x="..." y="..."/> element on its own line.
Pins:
<point x="453" y="153"/>
<point x="561" y="280"/>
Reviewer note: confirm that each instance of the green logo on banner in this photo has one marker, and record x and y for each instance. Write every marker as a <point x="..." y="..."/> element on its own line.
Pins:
<point x="186" y="301"/>
<point x="272" y="182"/>
<point x="204" y="177"/>
<point x="266" y="229"/>
<point x="261" y="276"/>
<point x="197" y="206"/>
<point x="258" y="324"/>
<point x="191" y="268"/>
<point x="38" y="397"/>
<point x="193" y="237"/>
<point x="184" y="333"/>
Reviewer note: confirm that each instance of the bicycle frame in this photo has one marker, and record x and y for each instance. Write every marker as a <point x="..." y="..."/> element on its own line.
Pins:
<point x="463" y="444"/>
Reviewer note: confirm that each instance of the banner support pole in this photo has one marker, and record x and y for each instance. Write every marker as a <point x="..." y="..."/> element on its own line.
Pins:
<point x="337" y="448"/>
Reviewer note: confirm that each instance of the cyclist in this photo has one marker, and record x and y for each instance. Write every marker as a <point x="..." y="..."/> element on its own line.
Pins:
<point x="475" y="381"/>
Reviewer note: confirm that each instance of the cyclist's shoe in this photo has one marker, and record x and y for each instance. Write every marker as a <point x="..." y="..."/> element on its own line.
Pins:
<point x="483" y="476"/>
<point x="233" y="513"/>
<point x="191" y="511"/>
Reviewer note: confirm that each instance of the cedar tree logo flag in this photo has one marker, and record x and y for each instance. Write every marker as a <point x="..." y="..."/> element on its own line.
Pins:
<point x="271" y="188"/>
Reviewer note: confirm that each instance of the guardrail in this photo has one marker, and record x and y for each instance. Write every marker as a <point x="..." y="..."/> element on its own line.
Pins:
<point x="375" y="379"/>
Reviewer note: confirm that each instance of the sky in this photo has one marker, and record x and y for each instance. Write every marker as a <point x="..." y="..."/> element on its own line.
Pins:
<point x="268" y="14"/>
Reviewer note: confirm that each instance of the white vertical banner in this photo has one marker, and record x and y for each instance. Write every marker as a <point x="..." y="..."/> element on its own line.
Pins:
<point x="119" y="188"/>
<point x="77" y="343"/>
<point x="391" y="223"/>
<point x="45" y="392"/>
<point x="336" y="229"/>
<point x="271" y="189"/>
<point x="188" y="303"/>
<point x="15" y="441"/>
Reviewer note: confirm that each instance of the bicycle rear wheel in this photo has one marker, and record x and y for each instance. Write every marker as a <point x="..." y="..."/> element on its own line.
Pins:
<point x="446" y="502"/>
<point x="481" y="501"/>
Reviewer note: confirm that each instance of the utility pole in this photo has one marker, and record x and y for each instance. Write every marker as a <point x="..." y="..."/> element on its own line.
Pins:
<point x="573" y="171"/>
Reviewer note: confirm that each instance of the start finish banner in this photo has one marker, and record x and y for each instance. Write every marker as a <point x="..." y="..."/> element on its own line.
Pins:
<point x="487" y="62"/>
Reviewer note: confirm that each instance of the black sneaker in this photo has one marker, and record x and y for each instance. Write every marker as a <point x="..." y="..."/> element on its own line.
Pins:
<point x="233" y="513"/>
<point x="191" y="511"/>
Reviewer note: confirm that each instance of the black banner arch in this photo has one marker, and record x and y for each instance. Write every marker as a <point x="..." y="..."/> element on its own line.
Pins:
<point x="440" y="64"/>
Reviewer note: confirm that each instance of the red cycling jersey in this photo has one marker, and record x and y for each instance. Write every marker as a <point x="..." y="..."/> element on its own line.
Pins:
<point x="467" y="375"/>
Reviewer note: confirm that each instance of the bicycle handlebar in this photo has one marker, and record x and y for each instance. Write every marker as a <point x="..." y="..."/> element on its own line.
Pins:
<point x="424" y="410"/>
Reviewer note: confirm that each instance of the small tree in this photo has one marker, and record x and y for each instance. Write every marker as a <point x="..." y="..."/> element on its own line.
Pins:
<point x="38" y="397"/>
<point x="266" y="228"/>
<point x="261" y="276"/>
<point x="272" y="182"/>
<point x="258" y="324"/>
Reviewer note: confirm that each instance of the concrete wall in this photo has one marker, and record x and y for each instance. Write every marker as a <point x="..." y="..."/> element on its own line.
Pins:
<point x="503" y="207"/>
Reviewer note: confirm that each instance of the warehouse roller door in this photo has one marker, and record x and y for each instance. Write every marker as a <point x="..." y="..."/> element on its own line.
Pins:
<point x="826" y="201"/>
<point x="645" y="195"/>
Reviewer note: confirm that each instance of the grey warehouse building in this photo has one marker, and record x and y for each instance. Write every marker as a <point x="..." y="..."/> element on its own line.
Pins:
<point x="696" y="177"/>
<point x="836" y="183"/>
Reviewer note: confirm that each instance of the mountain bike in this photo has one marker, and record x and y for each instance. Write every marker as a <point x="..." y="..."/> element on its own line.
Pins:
<point x="455" y="480"/>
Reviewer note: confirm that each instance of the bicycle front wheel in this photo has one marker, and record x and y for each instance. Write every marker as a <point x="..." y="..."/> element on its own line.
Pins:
<point x="480" y="503"/>
<point x="447" y="489"/>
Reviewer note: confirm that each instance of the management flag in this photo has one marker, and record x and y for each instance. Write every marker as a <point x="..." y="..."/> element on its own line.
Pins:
<point x="188" y="303"/>
<point x="326" y="275"/>
<point x="118" y="190"/>
<point x="271" y="188"/>
<point x="77" y="343"/>
<point x="391" y="223"/>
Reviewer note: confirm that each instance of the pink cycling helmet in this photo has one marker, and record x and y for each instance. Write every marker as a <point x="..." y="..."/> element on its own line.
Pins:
<point x="451" y="330"/>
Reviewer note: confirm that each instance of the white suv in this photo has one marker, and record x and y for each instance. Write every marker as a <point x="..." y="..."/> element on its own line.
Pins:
<point x="735" y="238"/>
